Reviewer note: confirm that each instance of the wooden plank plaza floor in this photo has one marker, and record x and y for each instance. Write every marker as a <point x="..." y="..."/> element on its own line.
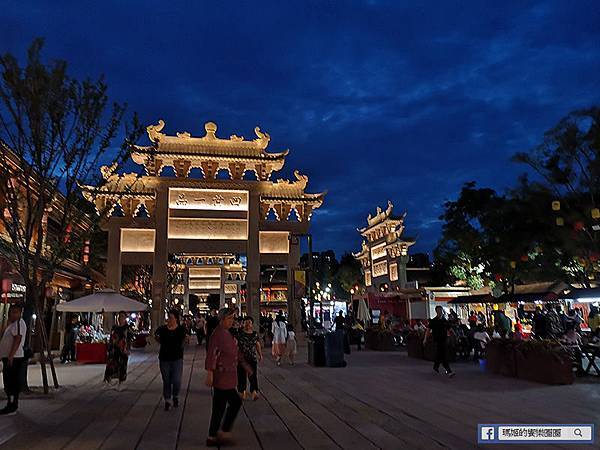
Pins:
<point x="381" y="400"/>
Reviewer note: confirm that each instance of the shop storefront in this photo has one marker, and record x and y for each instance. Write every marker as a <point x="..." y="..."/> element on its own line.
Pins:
<point x="11" y="293"/>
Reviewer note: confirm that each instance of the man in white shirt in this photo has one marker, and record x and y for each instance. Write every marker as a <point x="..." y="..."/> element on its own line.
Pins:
<point x="11" y="352"/>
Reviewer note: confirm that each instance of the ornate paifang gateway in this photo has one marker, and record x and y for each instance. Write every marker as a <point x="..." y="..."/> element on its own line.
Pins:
<point x="151" y="217"/>
<point x="209" y="154"/>
<point x="384" y="253"/>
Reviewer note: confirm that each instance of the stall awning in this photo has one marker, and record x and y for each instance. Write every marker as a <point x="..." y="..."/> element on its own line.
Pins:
<point x="583" y="295"/>
<point x="105" y="300"/>
<point x="542" y="292"/>
<point x="480" y="298"/>
<point x="529" y="298"/>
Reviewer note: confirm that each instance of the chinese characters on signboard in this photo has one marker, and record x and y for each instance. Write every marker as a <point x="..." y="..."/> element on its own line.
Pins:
<point x="208" y="199"/>
<point x="210" y="229"/>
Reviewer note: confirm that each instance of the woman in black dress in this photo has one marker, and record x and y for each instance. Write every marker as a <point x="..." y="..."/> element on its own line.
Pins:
<point x="250" y="350"/>
<point x="118" y="351"/>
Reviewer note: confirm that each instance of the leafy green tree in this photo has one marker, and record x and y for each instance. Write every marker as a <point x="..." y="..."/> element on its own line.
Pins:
<point x="567" y="163"/>
<point x="349" y="274"/>
<point x="491" y="240"/>
<point x="55" y="131"/>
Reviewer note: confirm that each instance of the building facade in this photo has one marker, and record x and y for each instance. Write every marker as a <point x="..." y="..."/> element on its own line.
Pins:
<point x="207" y="205"/>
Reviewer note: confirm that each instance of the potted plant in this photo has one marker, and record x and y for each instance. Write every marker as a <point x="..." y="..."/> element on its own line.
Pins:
<point x="544" y="361"/>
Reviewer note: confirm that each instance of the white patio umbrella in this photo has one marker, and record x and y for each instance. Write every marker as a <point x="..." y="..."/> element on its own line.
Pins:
<point x="363" y="311"/>
<point x="105" y="300"/>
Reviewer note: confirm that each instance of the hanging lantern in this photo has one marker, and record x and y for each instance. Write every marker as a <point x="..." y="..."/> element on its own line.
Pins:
<point x="524" y="258"/>
<point x="86" y="252"/>
<point x="555" y="205"/>
<point x="560" y="221"/>
<point x="578" y="226"/>
<point x="596" y="213"/>
<point x="68" y="233"/>
<point x="513" y="264"/>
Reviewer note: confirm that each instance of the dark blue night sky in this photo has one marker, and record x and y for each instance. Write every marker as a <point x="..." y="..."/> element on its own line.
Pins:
<point x="376" y="100"/>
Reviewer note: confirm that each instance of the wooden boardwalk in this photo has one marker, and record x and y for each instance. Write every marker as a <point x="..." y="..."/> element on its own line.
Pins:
<point x="381" y="400"/>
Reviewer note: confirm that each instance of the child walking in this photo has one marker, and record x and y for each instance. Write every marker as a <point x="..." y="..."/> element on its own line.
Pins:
<point x="291" y="346"/>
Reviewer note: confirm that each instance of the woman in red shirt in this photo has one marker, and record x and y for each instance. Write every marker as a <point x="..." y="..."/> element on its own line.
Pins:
<point x="221" y="374"/>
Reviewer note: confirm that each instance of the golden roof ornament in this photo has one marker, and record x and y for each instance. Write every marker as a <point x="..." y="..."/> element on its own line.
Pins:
<point x="381" y="215"/>
<point x="211" y="130"/>
<point x="154" y="131"/>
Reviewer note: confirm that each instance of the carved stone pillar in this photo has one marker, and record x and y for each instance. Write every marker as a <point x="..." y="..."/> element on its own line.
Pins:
<point x="186" y="290"/>
<point x="161" y="255"/>
<point x="222" y="299"/>
<point x="402" y="279"/>
<point x="113" y="266"/>
<point x="253" y="258"/>
<point x="113" y="262"/>
<point x="293" y="304"/>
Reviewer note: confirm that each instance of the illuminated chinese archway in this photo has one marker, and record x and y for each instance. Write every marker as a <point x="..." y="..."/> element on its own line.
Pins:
<point x="215" y="226"/>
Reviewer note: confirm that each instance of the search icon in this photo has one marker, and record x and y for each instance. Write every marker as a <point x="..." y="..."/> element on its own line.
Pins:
<point x="577" y="432"/>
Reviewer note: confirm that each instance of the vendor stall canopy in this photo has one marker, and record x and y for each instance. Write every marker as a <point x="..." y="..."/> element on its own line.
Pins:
<point x="105" y="300"/>
<point x="542" y="292"/>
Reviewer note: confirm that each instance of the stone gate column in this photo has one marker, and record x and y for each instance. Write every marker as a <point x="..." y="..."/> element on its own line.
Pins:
<point x="253" y="257"/>
<point x="161" y="255"/>
<point x="113" y="266"/>
<point x="222" y="298"/>
<point x="293" y="304"/>
<point x="402" y="277"/>
<point x="186" y="290"/>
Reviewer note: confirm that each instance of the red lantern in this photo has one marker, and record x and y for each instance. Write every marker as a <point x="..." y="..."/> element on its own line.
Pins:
<point x="578" y="226"/>
<point x="68" y="233"/>
<point x="498" y="277"/>
<point x="524" y="258"/>
<point x="594" y="257"/>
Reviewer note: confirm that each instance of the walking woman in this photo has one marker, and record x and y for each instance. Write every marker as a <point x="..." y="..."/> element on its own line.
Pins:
<point x="251" y="351"/>
<point x="279" y="330"/>
<point x="118" y="351"/>
<point x="171" y="338"/>
<point x="221" y="374"/>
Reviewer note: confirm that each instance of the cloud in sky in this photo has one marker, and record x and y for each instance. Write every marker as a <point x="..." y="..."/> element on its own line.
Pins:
<point x="377" y="100"/>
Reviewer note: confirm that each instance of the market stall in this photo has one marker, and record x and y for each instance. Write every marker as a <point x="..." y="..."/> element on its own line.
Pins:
<point x="91" y="344"/>
<point x="585" y="300"/>
<point x="521" y="304"/>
